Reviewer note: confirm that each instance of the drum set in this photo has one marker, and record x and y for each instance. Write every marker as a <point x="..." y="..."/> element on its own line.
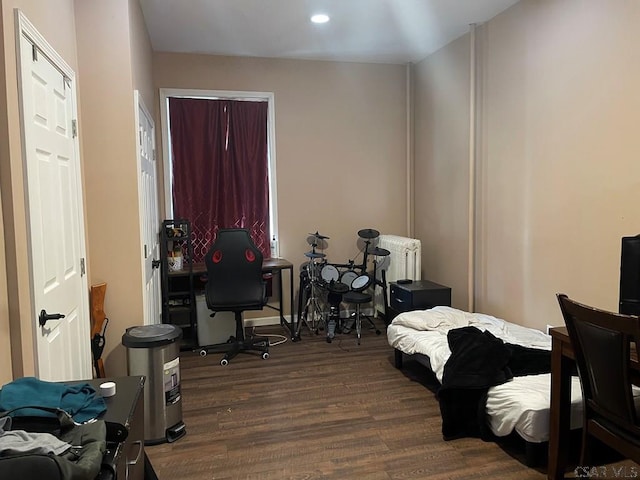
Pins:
<point x="323" y="284"/>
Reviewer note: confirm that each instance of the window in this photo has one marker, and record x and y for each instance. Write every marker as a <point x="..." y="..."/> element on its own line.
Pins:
<point x="220" y="164"/>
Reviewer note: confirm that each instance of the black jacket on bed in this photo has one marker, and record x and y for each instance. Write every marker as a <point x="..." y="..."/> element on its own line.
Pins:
<point x="480" y="360"/>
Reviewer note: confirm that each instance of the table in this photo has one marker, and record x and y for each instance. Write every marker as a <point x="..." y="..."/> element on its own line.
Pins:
<point x="562" y="361"/>
<point x="562" y="365"/>
<point x="124" y="419"/>
<point x="277" y="266"/>
<point x="274" y="266"/>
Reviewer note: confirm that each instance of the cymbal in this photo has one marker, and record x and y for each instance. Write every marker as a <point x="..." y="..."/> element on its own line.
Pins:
<point x="321" y="237"/>
<point x="379" y="252"/>
<point x="314" y="255"/>
<point x="368" y="233"/>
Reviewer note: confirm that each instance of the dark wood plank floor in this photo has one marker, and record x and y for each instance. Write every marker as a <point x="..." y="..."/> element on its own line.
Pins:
<point x="320" y="411"/>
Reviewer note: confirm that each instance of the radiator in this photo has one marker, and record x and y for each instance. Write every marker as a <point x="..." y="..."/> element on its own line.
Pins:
<point x="404" y="262"/>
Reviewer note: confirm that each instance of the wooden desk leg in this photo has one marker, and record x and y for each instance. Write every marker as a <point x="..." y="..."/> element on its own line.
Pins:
<point x="560" y="411"/>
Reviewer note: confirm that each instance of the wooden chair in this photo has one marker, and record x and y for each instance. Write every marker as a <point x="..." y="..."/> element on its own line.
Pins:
<point x="601" y="343"/>
<point x="99" y="322"/>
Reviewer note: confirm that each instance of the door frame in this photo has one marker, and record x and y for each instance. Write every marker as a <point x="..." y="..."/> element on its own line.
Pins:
<point x="140" y="105"/>
<point x="27" y="29"/>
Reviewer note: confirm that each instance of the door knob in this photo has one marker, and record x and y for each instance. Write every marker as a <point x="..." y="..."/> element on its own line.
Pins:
<point x="155" y="263"/>
<point x="44" y="316"/>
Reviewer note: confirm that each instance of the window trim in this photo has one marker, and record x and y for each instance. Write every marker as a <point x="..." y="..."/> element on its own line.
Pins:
<point x="166" y="93"/>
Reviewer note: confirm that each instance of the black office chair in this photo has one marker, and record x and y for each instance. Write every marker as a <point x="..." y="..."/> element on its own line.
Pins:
<point x="601" y="343"/>
<point x="235" y="284"/>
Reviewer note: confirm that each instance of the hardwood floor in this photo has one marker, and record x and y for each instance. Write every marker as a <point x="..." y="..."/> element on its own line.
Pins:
<point x="315" y="410"/>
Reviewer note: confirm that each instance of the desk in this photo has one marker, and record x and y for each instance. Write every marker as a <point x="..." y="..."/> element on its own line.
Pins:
<point x="273" y="266"/>
<point x="277" y="266"/>
<point x="562" y="362"/>
<point x="124" y="418"/>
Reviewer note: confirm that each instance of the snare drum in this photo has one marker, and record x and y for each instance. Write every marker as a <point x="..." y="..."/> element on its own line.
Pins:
<point x="361" y="283"/>
<point x="348" y="277"/>
<point x="328" y="273"/>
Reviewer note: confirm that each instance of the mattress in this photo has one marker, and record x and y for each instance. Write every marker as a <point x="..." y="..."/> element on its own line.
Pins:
<point x="520" y="405"/>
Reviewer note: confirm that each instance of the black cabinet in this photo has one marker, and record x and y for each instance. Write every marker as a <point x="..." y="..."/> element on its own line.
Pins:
<point x="124" y="419"/>
<point x="178" y="296"/>
<point x="418" y="295"/>
<point x="126" y="410"/>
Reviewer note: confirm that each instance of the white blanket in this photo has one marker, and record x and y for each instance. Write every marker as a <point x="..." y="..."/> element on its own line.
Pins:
<point x="443" y="319"/>
<point x="521" y="404"/>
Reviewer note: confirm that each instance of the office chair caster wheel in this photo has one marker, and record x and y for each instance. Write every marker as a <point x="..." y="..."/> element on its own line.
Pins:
<point x="203" y="353"/>
<point x="378" y="332"/>
<point x="224" y="362"/>
<point x="265" y="355"/>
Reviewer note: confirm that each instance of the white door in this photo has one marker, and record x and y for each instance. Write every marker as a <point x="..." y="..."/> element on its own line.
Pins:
<point x="149" y="219"/>
<point x="55" y="210"/>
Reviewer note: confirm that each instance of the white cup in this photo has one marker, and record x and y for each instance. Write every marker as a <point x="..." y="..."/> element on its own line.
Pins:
<point x="108" y="389"/>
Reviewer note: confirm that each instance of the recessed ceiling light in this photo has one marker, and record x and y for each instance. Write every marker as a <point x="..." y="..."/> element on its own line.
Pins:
<point x="320" y="18"/>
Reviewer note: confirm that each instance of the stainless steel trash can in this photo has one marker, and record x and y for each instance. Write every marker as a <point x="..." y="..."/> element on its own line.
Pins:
<point x="152" y="351"/>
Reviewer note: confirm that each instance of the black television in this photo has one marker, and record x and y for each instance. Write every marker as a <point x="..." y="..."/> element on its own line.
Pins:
<point x="630" y="276"/>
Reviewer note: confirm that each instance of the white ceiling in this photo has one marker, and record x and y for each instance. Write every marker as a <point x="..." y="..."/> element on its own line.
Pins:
<point x="379" y="31"/>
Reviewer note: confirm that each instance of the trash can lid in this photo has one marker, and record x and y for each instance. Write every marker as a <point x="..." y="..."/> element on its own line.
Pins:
<point x="147" y="336"/>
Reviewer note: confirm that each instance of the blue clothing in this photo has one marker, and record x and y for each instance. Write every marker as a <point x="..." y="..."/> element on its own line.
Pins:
<point x="78" y="400"/>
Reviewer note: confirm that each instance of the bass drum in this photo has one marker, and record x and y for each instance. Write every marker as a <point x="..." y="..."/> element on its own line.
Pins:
<point x="329" y="273"/>
<point x="348" y="277"/>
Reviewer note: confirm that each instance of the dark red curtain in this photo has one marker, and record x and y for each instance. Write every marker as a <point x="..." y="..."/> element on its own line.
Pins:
<point x="220" y="168"/>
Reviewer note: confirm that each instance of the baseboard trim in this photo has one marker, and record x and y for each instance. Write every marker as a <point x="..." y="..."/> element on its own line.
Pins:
<point x="260" y="322"/>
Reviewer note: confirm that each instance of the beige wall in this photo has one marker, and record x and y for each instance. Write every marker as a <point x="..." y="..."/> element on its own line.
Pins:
<point x="55" y="21"/>
<point x="115" y="58"/>
<point x="441" y="171"/>
<point x="558" y="171"/>
<point x="111" y="56"/>
<point x="340" y="141"/>
<point x="141" y="56"/>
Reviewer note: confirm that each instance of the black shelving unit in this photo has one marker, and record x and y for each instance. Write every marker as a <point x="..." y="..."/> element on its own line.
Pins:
<point x="178" y="296"/>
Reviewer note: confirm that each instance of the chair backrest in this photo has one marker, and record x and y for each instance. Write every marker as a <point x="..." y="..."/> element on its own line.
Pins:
<point x="234" y="273"/>
<point x="601" y="343"/>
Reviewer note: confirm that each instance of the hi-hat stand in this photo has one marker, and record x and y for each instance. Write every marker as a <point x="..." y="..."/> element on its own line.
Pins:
<point x="310" y="310"/>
